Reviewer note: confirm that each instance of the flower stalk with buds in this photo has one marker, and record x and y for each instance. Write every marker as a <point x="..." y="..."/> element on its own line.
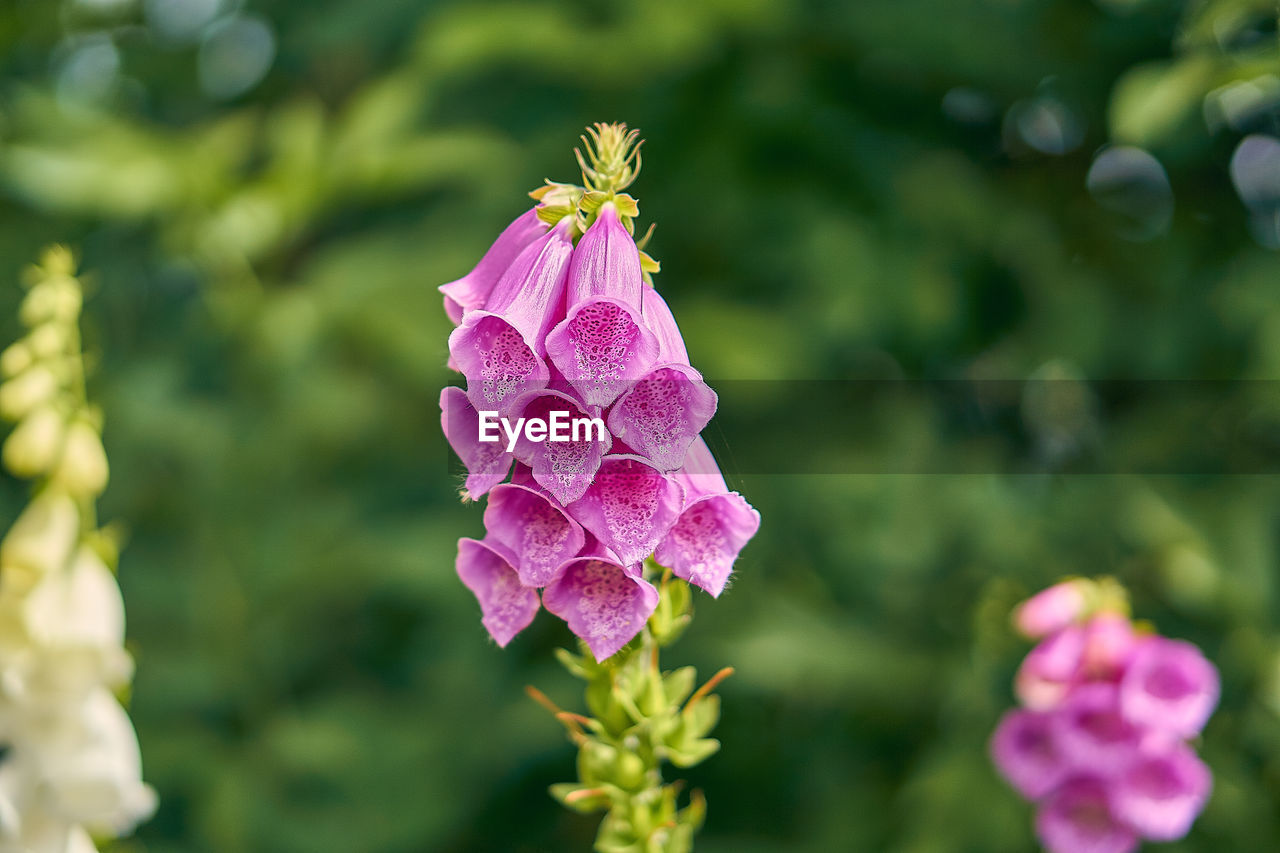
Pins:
<point x="71" y="770"/>
<point x="560" y="320"/>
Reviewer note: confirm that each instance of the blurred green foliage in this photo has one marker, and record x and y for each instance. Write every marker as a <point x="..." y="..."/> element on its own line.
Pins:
<point x="871" y="189"/>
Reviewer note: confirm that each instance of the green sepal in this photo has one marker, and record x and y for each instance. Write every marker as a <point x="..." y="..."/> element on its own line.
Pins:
<point x="692" y="752"/>
<point x="648" y="264"/>
<point x="564" y="793"/>
<point x="573" y="663"/>
<point x="551" y="214"/>
<point x="678" y="684"/>
<point x="674" y="611"/>
<point x="701" y="717"/>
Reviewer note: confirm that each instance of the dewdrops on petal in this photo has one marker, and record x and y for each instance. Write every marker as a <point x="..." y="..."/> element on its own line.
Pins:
<point x="629" y="506"/>
<point x="603" y="344"/>
<point x="604" y="603"/>
<point x="1104" y="750"/>
<point x="532" y="532"/>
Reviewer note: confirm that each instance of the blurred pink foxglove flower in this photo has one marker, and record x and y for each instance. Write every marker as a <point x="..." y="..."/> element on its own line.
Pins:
<point x="1102" y="748"/>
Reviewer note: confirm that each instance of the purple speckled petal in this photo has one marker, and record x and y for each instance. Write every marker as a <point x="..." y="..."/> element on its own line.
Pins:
<point x="1078" y="818"/>
<point x="703" y="544"/>
<point x="1169" y="685"/>
<point x="604" y="604"/>
<point x="1051" y="669"/>
<point x="487" y="462"/>
<point x="603" y="344"/>
<point x="532" y="532"/>
<point x="1091" y="732"/>
<point x="661" y="414"/>
<point x="713" y="528"/>
<point x="500" y="348"/>
<point x="506" y="605"/>
<point x="472" y="290"/>
<point x="1025" y="750"/>
<point x="629" y="506"/>
<point x="1161" y="795"/>
<point x="563" y="468"/>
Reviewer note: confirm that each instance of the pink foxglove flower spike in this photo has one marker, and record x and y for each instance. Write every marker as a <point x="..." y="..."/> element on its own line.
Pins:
<point x="579" y="389"/>
<point x="1100" y="744"/>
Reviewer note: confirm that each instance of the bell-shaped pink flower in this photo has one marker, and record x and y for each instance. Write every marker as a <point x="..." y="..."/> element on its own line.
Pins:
<point x="472" y="290"/>
<point x="1169" y="686"/>
<point x="500" y="348"/>
<point x="1160" y="795"/>
<point x="563" y="468"/>
<point x="629" y="506"/>
<point x="1078" y="818"/>
<point x="1092" y="733"/>
<point x="660" y="414"/>
<point x="1025" y="750"/>
<point x="1051" y="669"/>
<point x="506" y="605"/>
<point x="1052" y="609"/>
<point x="713" y="527"/>
<point x="532" y="532"/>
<point x="487" y="463"/>
<point x="604" y="602"/>
<point x="1109" y="645"/>
<point x="603" y="344"/>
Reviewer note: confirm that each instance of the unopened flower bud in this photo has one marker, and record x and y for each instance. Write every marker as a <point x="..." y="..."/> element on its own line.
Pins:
<point x="15" y="359"/>
<point x="1053" y="609"/>
<point x="83" y="470"/>
<point x="48" y="340"/>
<point x="27" y="390"/>
<point x="41" y="540"/>
<point x="51" y="299"/>
<point x="33" y="446"/>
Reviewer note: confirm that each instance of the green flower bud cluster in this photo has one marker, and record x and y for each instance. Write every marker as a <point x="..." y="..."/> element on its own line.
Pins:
<point x="58" y="435"/>
<point x="640" y="718"/>
<point x="72" y="762"/>
<point x="610" y="164"/>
